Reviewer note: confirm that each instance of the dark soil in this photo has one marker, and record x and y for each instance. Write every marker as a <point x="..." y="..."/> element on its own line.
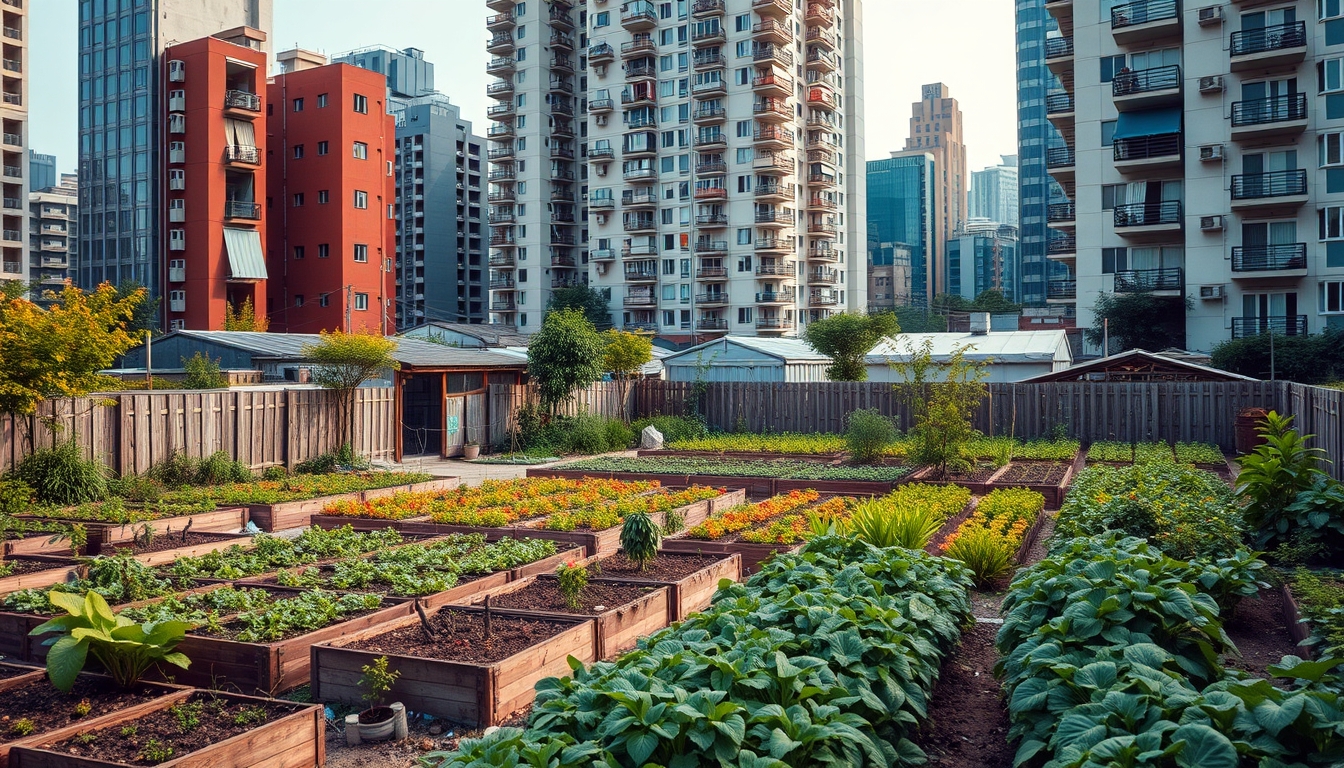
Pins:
<point x="49" y="709"/>
<point x="979" y="474"/>
<point x="19" y="567"/>
<point x="460" y="636"/>
<point x="272" y="581"/>
<point x="1259" y="631"/>
<point x="665" y="567"/>
<point x="167" y="541"/>
<point x="8" y="671"/>
<point x="544" y="595"/>
<point x="949" y="527"/>
<point x="968" y="722"/>
<point x="1034" y="473"/>
<point x="231" y="629"/>
<point x="171" y="729"/>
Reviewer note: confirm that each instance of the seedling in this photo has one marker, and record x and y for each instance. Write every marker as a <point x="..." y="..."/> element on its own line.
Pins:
<point x="188" y="716"/>
<point x="86" y="738"/>
<point x="376" y="681"/>
<point x="83" y="708"/>
<point x="24" y="726"/>
<point x="252" y="715"/>
<point x="573" y="579"/>
<point x="155" y="752"/>
<point x="129" y="731"/>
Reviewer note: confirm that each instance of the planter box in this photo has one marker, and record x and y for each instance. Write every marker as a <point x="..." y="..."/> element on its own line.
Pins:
<point x="429" y="486"/>
<point x="750" y="555"/>
<point x="1298" y="629"/>
<point x="15" y="644"/>
<point x="824" y="458"/>
<point x="607" y="542"/>
<point x="478" y="695"/>
<point x="548" y="565"/>
<point x="694" y="592"/>
<point x="618" y="629"/>
<point x="294" y="514"/>
<point x="61" y="569"/>
<point x="1054" y="494"/>
<point x="364" y="524"/>
<point x="978" y="489"/>
<point x="297" y="740"/>
<point x="842" y="487"/>
<point x="218" y="541"/>
<point x="227" y="520"/>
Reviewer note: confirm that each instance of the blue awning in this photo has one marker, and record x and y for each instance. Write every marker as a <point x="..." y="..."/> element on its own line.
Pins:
<point x="1152" y="122"/>
<point x="247" y="261"/>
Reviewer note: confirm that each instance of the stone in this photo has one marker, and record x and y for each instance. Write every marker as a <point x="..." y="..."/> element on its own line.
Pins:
<point x="651" y="439"/>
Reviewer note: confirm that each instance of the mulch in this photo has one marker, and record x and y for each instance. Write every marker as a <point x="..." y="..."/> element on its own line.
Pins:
<point x="1034" y="473"/>
<point x="968" y="722"/>
<point x="50" y="709"/>
<point x="1258" y="630"/>
<point x="166" y="541"/>
<point x="544" y="595"/>
<point x="460" y="636"/>
<point x="665" y="567"/>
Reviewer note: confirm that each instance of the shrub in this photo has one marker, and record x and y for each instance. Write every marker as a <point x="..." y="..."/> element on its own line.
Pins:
<point x="219" y="469"/>
<point x="985" y="552"/>
<point x="176" y="471"/>
<point x="674" y="428"/>
<point x="16" y="497"/>
<point x="639" y="538"/>
<point x="61" y="475"/>
<point x="869" y="434"/>
<point x="1288" y="499"/>
<point x="203" y="373"/>
<point x="326" y="463"/>
<point x="587" y="435"/>
<point x="619" y="436"/>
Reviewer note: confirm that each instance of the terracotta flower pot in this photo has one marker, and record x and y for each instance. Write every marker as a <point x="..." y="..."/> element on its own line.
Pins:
<point x="471" y="451"/>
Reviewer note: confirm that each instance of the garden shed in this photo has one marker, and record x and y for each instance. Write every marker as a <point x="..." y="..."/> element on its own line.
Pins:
<point x="471" y="336"/>
<point x="1138" y="365"/>
<point x="1011" y="356"/>
<point x="748" y="358"/>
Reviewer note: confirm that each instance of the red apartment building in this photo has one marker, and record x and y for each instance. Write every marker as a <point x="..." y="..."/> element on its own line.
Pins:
<point x="214" y="178"/>
<point x="330" y="191"/>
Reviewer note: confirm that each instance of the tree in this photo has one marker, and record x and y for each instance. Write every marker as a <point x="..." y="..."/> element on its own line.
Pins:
<point x="847" y="339"/>
<point x="567" y="353"/>
<point x="943" y="396"/>
<point x="950" y="302"/>
<point x="916" y="320"/>
<point x="203" y="373"/>
<point x="992" y="300"/>
<point x="626" y="354"/>
<point x="245" y="318"/>
<point x="58" y="351"/>
<point x="146" y="317"/>
<point x="1317" y="359"/>
<point x="343" y="362"/>
<point x="587" y="300"/>
<point x="1138" y="321"/>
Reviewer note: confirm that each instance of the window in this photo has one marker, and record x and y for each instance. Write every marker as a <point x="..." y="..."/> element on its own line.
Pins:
<point x="1329" y="9"/>
<point x="361" y="301"/>
<point x="361" y="253"/>
<point x="323" y="251"/>
<point x="298" y="105"/>
<point x="602" y="19"/>
<point x="361" y="104"/>
<point x="298" y="251"/>
<point x="323" y="147"/>
<point x="1110" y="65"/>
<point x="361" y="151"/>
<point x="323" y="300"/>
<point x="744" y="315"/>
<point x="361" y="199"/>
<point x="1330" y="75"/>
<point x="1332" y="297"/>
<point x="298" y="151"/>
<point x="744" y="237"/>
<point x="1112" y="195"/>
<point x="323" y="196"/>
<point x="1107" y="132"/>
<point x="298" y="199"/>
<point x="298" y="299"/>
<point x="321" y="100"/>
<point x="1114" y="260"/>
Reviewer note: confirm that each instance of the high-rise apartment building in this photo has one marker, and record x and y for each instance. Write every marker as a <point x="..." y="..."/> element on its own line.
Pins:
<point x="122" y="126"/>
<point x="330" y="198"/>
<point x="994" y="192"/>
<point x="216" y="151"/>
<point x="936" y="129"/>
<point x="902" y="205"/>
<point x="1208" y="162"/>
<point x="538" y="225"/>
<point x="53" y="229"/>
<point x="724" y="154"/>
<point x="14" y="115"/>
<point x="1037" y="136"/>
<point x="983" y="257"/>
<point x="408" y="75"/>
<point x="42" y="171"/>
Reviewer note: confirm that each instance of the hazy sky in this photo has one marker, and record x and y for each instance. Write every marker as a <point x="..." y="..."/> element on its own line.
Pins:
<point x="967" y="44"/>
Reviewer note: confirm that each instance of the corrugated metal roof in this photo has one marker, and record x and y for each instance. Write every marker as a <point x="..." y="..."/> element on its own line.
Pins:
<point x="1151" y="365"/>
<point x="413" y="352"/>
<point x="1014" y="346"/>
<point x="491" y="335"/>
<point x="786" y="350"/>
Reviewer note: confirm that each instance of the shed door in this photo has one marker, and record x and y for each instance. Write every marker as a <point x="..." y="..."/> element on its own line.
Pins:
<point x="454" y="426"/>
<point x="474" y="422"/>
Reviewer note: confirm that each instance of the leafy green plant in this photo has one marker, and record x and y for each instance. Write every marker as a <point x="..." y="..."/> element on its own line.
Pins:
<point x="883" y="524"/>
<point x="83" y="707"/>
<point x="187" y="715"/>
<point x="572" y="580"/>
<point x="16" y="497"/>
<point x="639" y="539"/>
<point x="1272" y="476"/>
<point x="203" y="373"/>
<point x="1320" y="596"/>
<point x="125" y="649"/>
<point x="155" y="752"/>
<point x="23" y="726"/>
<point x="943" y="395"/>
<point x="868" y="435"/>
<point x="988" y="555"/>
<point x="375" y="680"/>
<point x="61" y="475"/>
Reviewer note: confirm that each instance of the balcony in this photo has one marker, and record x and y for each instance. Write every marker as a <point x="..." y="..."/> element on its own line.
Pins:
<point x="501" y="66"/>
<point x="704" y="60"/>
<point x="711" y="168"/>
<point x="501" y="259"/>
<point x="500" y="130"/>
<point x="711" y="273"/>
<point x="776" y="192"/>
<point x="563" y="41"/>
<point x="824" y="254"/>
<point x="774" y="137"/>
<point x="1061" y="291"/>
<point x="709" y="324"/>
<point x="712" y="220"/>
<point x="500" y="305"/>
<point x="499" y="110"/>
<point x="560" y="17"/>
<point x="824" y="276"/>
<point x="1277" y="117"/>
<point x="774" y="324"/>
<point x="639" y="251"/>
<point x="704" y="114"/>
<point x="1147" y="88"/>
<point x="641" y="224"/>
<point x="823" y="298"/>
<point x="501" y="89"/>
<point x="1269" y="193"/>
<point x="1291" y="325"/>
<point x="711" y="247"/>
<point x="707" y="33"/>
<point x="1059" y="54"/>
<point x="823" y="203"/>
<point x="639" y="47"/>
<point x="702" y="8"/>
<point x="822" y="179"/>
<point x="772" y="84"/>
<point x="1062" y="215"/>
<point x="639" y="16"/>
<point x="502" y="284"/>
<point x="649" y="275"/>
<point x="602" y="53"/>
<point x="601" y="106"/>
<point x="711" y="140"/>
<point x="1147" y="153"/>
<point x="1145" y="21"/>
<point x="641" y="300"/>
<point x="1062" y="248"/>
<point x="500" y="153"/>
<point x="1059" y="161"/>
<point x="631" y="199"/>
<point x="242" y="155"/>
<point x="501" y="44"/>
<point x="1059" y="105"/>
<point x="502" y="174"/>
<point x="1140" y="219"/>
<point x="786" y="269"/>
<point x="772" y="7"/>
<point x="500" y="21"/>
<point x="1160" y="282"/>
<point x="639" y="174"/>
<point x="772" y="31"/>
<point x="1062" y="10"/>
<point x="781" y="296"/>
<point x="1280" y="45"/>
<point x="712" y="299"/>
<point x="1258" y="262"/>
<point x="242" y="100"/>
<point x="773" y="218"/>
<point x="242" y="209"/>
<point x="772" y="109"/>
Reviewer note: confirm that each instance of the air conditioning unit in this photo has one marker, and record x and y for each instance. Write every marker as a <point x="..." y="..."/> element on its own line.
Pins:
<point x="601" y="218"/>
<point x="177" y="71"/>
<point x="601" y="267"/>
<point x="600" y="170"/>
<point x="1211" y="292"/>
<point x="599" y="119"/>
<point x="177" y="325"/>
<point x="1210" y="16"/>
<point x="600" y="70"/>
<point x="1211" y="223"/>
<point x="1211" y="153"/>
<point x="1211" y="84"/>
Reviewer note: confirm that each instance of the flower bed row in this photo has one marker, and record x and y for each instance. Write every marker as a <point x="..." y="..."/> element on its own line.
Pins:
<point x="785" y="470"/>
<point x="998" y="533"/>
<point x="500" y="501"/>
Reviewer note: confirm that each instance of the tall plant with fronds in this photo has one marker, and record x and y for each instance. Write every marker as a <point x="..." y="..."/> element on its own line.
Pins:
<point x="1273" y="475"/>
<point x="884" y="523"/>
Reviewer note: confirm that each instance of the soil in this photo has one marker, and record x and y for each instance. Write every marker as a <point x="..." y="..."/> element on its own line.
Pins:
<point x="460" y="636"/>
<point x="217" y="716"/>
<point x="1034" y="473"/>
<point x="20" y="567"/>
<point x="8" y="671"/>
<point x="980" y="474"/>
<point x="231" y="629"/>
<point x="949" y="527"/>
<point x="371" y="589"/>
<point x="164" y="542"/>
<point x="49" y="709"/>
<point x="1042" y="543"/>
<point x="664" y="567"/>
<point x="968" y="722"/>
<point x="1258" y="630"/>
<point x="544" y="595"/>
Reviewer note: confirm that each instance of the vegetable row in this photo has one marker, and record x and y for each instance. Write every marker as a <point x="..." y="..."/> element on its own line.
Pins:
<point x="1160" y="453"/>
<point x="783" y="470"/>
<point x="832" y="444"/>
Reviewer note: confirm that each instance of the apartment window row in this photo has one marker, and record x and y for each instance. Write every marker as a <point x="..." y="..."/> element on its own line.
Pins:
<point x="359" y="150"/>
<point x="360" y="252"/>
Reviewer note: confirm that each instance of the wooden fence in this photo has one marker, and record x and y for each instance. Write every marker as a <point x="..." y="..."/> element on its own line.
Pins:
<point x="602" y="399"/>
<point x="132" y="431"/>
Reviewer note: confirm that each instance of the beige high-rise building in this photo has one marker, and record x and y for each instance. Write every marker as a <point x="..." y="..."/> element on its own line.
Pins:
<point x="935" y="128"/>
<point x="14" y="114"/>
<point x="53" y="230"/>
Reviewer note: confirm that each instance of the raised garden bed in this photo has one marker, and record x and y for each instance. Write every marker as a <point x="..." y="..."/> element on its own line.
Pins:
<point x="168" y="547"/>
<point x="628" y="610"/>
<point x="457" y="674"/>
<point x="820" y="458"/>
<point x="750" y="556"/>
<point x="428" y="486"/>
<point x="231" y="731"/>
<point x="1050" y="479"/>
<point x="753" y="486"/>
<point x="691" y="579"/>
<point x="38" y="571"/>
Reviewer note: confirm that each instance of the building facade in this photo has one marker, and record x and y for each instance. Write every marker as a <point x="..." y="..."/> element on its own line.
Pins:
<point x="53" y="235"/>
<point x="42" y="171"/>
<point x="330" y="192"/>
<point x="994" y="192"/>
<point x="936" y="129"/>
<point x="216" y="151"/>
<point x="14" y="116"/>
<point x="122" y="94"/>
<point x="983" y="257"/>
<point x="408" y="75"/>
<point x="1209" y="161"/>
<point x="902" y="205"/>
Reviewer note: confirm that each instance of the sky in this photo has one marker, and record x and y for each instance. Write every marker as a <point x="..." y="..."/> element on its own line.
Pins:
<point x="966" y="44"/>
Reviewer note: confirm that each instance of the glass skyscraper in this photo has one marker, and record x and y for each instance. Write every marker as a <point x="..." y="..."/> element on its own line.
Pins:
<point x="900" y="213"/>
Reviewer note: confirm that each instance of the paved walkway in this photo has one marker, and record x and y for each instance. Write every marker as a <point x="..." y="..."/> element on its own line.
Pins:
<point x="475" y="474"/>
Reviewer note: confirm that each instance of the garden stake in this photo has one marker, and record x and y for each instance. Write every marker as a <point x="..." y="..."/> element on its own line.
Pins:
<point x="424" y="620"/>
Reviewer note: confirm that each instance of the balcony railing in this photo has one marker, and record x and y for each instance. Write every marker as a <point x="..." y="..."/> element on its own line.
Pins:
<point x="773" y="324"/>
<point x="1146" y="81"/>
<point x="1272" y="38"/>
<point x="1275" y="109"/>
<point x="1061" y="289"/>
<point x="1290" y="325"/>
<point x="1062" y="245"/>
<point x="242" y="100"/>
<point x="242" y="209"/>
<point x="1059" y="157"/>
<point x="1058" y="103"/>
<point x="237" y="153"/>
<point x="1251" y="186"/>
<point x="1058" y="47"/>
<point x="1060" y="212"/>
<point x="1269" y="258"/>
<point x="1143" y="12"/>
<point x="712" y="324"/>
<point x="1147" y="280"/>
<point x="1148" y="214"/>
<point x="1147" y="147"/>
